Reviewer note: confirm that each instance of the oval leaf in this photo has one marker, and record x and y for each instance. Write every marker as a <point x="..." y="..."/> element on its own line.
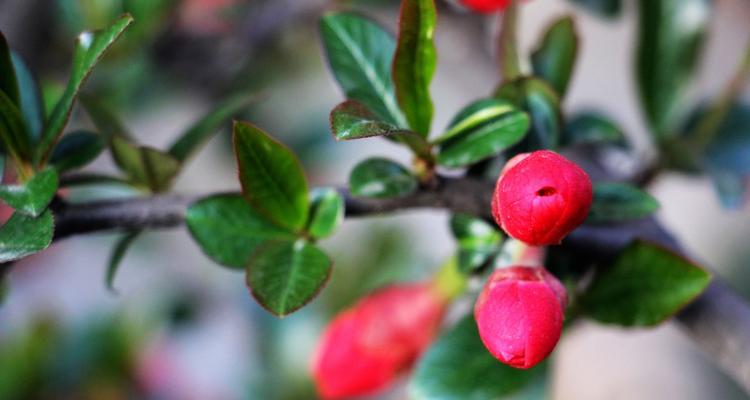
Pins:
<point x="229" y="230"/>
<point x="89" y="48"/>
<point x="360" y="54"/>
<point x="617" y="202"/>
<point x="284" y="276"/>
<point x="23" y="235"/>
<point x="555" y="57"/>
<point x="326" y="212"/>
<point x="646" y="285"/>
<point x="271" y="176"/>
<point x="31" y="99"/>
<point x="539" y="100"/>
<point x="474" y="115"/>
<point x="352" y="120"/>
<point x="76" y="150"/>
<point x="381" y="178"/>
<point x="458" y="366"/>
<point x="414" y="62"/>
<point x="484" y="141"/>
<point x="670" y="39"/>
<point x="33" y="197"/>
<point x="8" y="82"/>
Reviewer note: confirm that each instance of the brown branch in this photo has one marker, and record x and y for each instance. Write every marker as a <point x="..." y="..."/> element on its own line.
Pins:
<point x="718" y="321"/>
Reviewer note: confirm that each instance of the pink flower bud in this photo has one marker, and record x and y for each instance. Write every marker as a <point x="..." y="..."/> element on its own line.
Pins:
<point x="486" y="6"/>
<point x="520" y="315"/>
<point x="541" y="197"/>
<point x="366" y="347"/>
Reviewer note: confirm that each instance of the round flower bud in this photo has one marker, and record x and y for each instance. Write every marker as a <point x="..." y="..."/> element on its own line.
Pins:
<point x="541" y="197"/>
<point x="520" y="315"/>
<point x="366" y="347"/>
<point x="486" y="6"/>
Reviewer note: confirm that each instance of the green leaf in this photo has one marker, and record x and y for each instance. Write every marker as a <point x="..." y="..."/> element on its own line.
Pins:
<point x="33" y="197"/>
<point x="475" y="115"/>
<point x="360" y="54"/>
<point x="2" y="167"/>
<point x="284" y="276"/>
<point x="118" y="253"/>
<point x="603" y="8"/>
<point x="352" y="120"/>
<point x="729" y="150"/>
<point x="539" y="100"/>
<point x="458" y="367"/>
<point x="617" y="202"/>
<point x="13" y="136"/>
<point x="732" y="188"/>
<point x="8" y="83"/>
<point x="414" y="62"/>
<point x="75" y="150"/>
<point x="555" y="57"/>
<point x="31" y="99"/>
<point x="646" y="285"/>
<point x="229" y="230"/>
<point x="482" y="136"/>
<point x="271" y="176"/>
<point x="326" y="212"/>
<point x="198" y="134"/>
<point x="591" y="128"/>
<point x="23" y="235"/>
<point x="105" y="120"/>
<point x="670" y="39"/>
<point x="90" y="46"/>
<point x="477" y="241"/>
<point x="145" y="166"/>
<point x="381" y="178"/>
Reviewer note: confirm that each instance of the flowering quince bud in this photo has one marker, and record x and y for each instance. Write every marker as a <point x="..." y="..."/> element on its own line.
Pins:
<point x="365" y="347"/>
<point x="520" y="315"/>
<point x="540" y="197"/>
<point x="486" y="6"/>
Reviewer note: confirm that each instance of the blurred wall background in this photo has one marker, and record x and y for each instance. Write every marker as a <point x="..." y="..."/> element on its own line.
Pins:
<point x="189" y="327"/>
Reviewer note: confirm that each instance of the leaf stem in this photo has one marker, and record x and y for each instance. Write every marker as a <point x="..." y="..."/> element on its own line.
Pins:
<point x="507" y="50"/>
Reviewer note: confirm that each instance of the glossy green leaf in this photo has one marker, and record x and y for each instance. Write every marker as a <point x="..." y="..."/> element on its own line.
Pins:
<point x="539" y="100"/>
<point x="90" y="46"/>
<point x="670" y="38"/>
<point x="75" y="150"/>
<point x="555" y="57"/>
<point x="352" y="120"/>
<point x="326" y="212"/>
<point x="616" y="202"/>
<point x="33" y="197"/>
<point x="415" y="61"/>
<point x="31" y="106"/>
<point x="8" y="83"/>
<point x="477" y="241"/>
<point x="360" y="54"/>
<point x="591" y="128"/>
<point x="229" y="230"/>
<point x="200" y="132"/>
<point x="118" y="253"/>
<point x="458" y="367"/>
<point x="271" y="176"/>
<point x="475" y="115"/>
<point x="646" y="285"/>
<point x="13" y="133"/>
<point x="381" y="178"/>
<point x="485" y="140"/>
<point x="128" y="158"/>
<point x="24" y="235"/>
<point x="285" y="275"/>
<point x="603" y="8"/>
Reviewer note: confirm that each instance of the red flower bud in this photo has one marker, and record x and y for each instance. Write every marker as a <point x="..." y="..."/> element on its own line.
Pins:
<point x="520" y="315"/>
<point x="365" y="347"/>
<point x="486" y="6"/>
<point x="541" y="197"/>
